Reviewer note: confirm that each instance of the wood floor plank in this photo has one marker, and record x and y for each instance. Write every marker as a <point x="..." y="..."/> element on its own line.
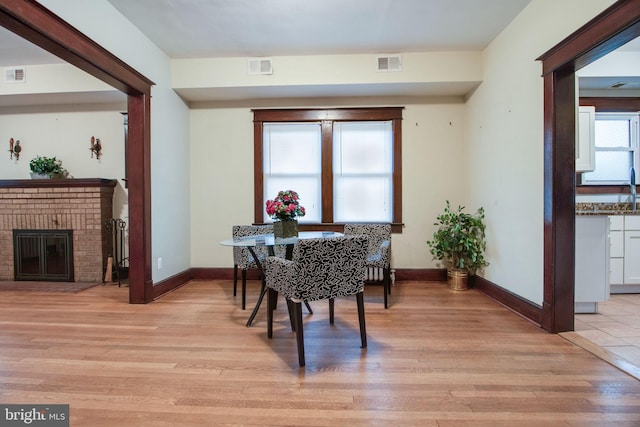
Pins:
<point x="435" y="358"/>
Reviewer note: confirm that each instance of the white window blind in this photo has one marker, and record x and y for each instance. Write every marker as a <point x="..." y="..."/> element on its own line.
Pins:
<point x="292" y="161"/>
<point x="363" y="171"/>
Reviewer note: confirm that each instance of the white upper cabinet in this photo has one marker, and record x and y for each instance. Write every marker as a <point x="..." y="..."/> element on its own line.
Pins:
<point x="585" y="139"/>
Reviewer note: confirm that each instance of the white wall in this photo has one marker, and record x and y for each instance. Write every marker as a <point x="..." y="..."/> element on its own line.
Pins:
<point x="66" y="135"/>
<point x="222" y="173"/>
<point x="505" y="141"/>
<point x="170" y="178"/>
<point x="311" y="71"/>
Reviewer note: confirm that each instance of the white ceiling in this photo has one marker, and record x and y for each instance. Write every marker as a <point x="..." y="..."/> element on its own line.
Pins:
<point x="258" y="28"/>
<point x="253" y="28"/>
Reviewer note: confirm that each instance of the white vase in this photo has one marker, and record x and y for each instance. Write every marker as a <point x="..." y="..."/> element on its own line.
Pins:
<point x="38" y="176"/>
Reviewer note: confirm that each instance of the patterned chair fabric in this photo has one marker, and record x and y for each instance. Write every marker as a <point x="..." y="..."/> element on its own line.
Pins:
<point x="379" y="250"/>
<point x="242" y="258"/>
<point x="319" y="269"/>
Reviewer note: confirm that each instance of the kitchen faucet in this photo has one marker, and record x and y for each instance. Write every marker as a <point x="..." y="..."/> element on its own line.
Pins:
<point x="632" y="185"/>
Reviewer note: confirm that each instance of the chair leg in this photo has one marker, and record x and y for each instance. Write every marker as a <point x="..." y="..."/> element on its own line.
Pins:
<point x="363" y="327"/>
<point x="297" y="314"/>
<point x="244" y="288"/>
<point x="292" y="321"/>
<point x="271" y="296"/>
<point x="306" y="303"/>
<point x="331" y="310"/>
<point x="235" y="279"/>
<point x="386" y="281"/>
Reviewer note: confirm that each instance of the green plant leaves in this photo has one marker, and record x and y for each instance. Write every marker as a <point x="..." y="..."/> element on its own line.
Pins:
<point x="460" y="239"/>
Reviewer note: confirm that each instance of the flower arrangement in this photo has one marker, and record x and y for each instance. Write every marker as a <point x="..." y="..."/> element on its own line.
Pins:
<point x="285" y="206"/>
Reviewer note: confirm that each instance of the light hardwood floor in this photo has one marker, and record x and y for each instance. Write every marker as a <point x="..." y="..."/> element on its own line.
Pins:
<point x="613" y="333"/>
<point x="435" y="358"/>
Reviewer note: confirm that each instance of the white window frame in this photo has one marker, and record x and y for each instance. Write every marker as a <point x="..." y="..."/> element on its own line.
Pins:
<point x="634" y="146"/>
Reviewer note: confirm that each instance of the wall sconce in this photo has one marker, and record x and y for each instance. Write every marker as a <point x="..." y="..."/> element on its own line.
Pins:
<point x="14" y="149"/>
<point x="96" y="147"/>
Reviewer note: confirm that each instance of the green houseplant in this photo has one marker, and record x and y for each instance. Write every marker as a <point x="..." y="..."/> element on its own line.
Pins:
<point x="460" y="243"/>
<point x="48" y="167"/>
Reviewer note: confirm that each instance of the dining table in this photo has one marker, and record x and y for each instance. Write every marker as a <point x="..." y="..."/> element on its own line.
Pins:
<point x="270" y="241"/>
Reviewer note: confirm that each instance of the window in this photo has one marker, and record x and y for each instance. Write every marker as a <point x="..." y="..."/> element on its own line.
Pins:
<point x="344" y="163"/>
<point x="616" y="148"/>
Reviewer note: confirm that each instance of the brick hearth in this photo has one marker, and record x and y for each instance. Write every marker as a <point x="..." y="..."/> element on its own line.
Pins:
<point x="81" y="205"/>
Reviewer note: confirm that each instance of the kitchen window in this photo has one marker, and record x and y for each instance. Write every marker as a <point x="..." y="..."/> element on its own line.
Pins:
<point x="344" y="163"/>
<point x="616" y="149"/>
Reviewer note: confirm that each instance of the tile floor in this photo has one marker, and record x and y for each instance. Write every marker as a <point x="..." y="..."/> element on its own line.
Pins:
<point x="615" y="328"/>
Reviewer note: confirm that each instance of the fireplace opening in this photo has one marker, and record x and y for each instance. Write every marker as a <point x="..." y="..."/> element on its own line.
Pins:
<point x="43" y="255"/>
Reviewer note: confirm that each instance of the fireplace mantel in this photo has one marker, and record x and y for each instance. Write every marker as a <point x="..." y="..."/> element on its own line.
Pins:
<point x="68" y="182"/>
<point x="82" y="205"/>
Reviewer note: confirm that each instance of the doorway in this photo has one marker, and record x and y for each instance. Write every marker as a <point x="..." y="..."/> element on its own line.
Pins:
<point x="35" y="23"/>
<point x="617" y="25"/>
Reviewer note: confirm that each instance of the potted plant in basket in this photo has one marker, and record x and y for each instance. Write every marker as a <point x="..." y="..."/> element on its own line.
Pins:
<point x="47" y="167"/>
<point x="460" y="243"/>
<point x="285" y="209"/>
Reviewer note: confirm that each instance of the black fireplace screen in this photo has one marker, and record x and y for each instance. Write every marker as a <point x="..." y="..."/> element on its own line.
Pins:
<point x="45" y="255"/>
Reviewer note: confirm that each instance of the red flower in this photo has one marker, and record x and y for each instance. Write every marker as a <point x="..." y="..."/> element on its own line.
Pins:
<point x="285" y="206"/>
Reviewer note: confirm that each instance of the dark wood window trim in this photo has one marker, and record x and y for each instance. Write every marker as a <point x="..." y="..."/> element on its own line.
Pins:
<point x="326" y="117"/>
<point x="612" y="104"/>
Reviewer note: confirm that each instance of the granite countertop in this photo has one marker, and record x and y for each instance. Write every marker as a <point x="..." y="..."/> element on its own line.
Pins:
<point x="590" y="208"/>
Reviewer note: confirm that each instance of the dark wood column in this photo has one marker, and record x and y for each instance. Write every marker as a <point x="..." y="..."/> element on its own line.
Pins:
<point x="559" y="207"/>
<point x="139" y="176"/>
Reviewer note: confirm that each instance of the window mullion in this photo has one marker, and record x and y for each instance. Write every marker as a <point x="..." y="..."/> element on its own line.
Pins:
<point x="327" y="171"/>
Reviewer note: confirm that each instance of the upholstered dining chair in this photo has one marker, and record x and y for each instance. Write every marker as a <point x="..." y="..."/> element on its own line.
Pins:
<point x="319" y="269"/>
<point x="378" y="253"/>
<point x="242" y="258"/>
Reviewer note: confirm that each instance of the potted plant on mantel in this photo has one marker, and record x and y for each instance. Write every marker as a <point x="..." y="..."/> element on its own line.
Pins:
<point x="460" y="243"/>
<point x="46" y="168"/>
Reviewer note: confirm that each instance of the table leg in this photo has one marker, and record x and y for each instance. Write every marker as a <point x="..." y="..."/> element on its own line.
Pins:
<point x="263" y="288"/>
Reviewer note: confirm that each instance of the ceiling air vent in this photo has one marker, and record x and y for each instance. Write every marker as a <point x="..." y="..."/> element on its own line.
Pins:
<point x="14" y="75"/>
<point x="260" y="66"/>
<point x="389" y="63"/>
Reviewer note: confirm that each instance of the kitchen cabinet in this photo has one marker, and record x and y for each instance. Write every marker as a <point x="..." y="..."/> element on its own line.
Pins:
<point x="591" y="262"/>
<point x="585" y="139"/>
<point x="624" y="254"/>
<point x="632" y="250"/>
<point x="616" y="249"/>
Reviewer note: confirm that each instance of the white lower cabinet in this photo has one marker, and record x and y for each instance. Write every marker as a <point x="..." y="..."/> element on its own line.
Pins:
<point x="616" y="250"/>
<point x="624" y="261"/>
<point x="592" y="254"/>
<point x="632" y="257"/>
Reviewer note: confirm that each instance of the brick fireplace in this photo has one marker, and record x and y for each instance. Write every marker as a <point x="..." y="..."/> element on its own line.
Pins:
<point x="80" y="205"/>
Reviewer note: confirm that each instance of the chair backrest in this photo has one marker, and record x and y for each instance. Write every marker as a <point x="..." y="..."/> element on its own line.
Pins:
<point x="241" y="256"/>
<point x="379" y="239"/>
<point x="329" y="268"/>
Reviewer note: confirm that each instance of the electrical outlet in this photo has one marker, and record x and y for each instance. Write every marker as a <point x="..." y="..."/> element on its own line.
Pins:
<point x="159" y="263"/>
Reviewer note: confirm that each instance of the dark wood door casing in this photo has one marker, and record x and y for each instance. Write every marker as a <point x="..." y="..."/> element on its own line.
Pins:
<point x="615" y="26"/>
